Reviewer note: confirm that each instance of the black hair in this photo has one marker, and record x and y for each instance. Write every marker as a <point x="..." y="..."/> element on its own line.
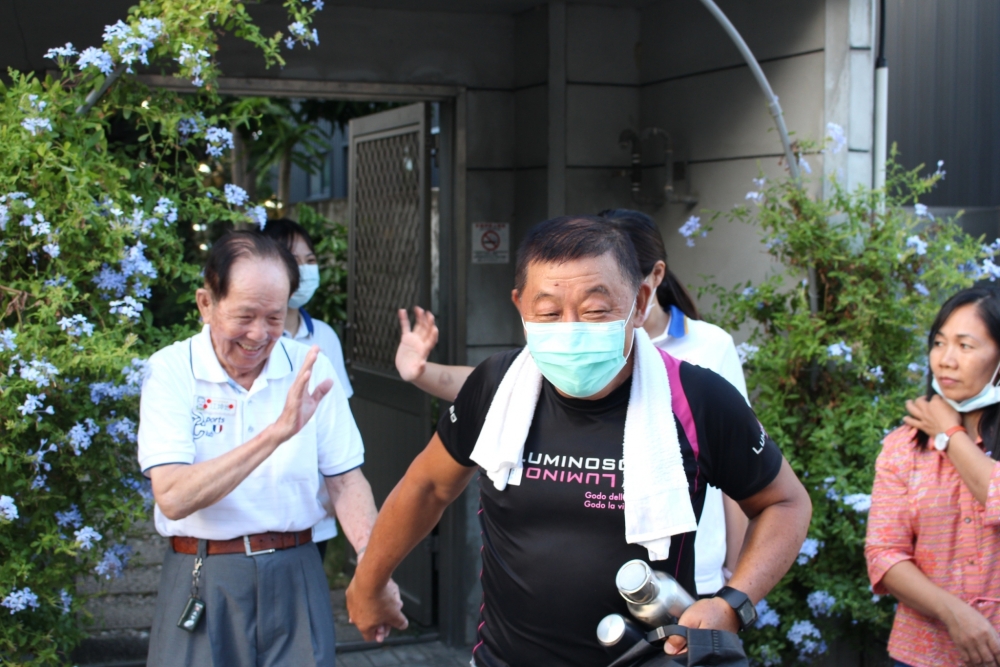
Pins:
<point x="240" y="245"/>
<point x="649" y="249"/>
<point x="987" y="303"/>
<point x="574" y="237"/>
<point x="284" y="232"/>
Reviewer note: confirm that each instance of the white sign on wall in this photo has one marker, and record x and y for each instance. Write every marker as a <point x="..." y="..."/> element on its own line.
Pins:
<point x="490" y="243"/>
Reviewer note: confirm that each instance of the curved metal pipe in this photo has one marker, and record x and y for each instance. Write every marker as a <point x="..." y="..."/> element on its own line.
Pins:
<point x="772" y="100"/>
<point x="775" y="109"/>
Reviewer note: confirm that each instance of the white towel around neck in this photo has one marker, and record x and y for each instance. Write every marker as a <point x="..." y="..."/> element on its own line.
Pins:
<point x="657" y="499"/>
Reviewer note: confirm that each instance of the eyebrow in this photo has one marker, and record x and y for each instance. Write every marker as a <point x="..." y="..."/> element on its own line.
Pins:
<point x="597" y="289"/>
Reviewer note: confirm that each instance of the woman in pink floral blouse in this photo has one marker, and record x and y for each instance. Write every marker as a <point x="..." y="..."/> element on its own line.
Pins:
<point x="934" y="526"/>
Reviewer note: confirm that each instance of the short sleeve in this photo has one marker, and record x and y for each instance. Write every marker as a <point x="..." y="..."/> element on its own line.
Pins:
<point x="890" y="534"/>
<point x="339" y="445"/>
<point x="734" y="451"/>
<point x="731" y="368"/>
<point x="992" y="516"/>
<point x="459" y="425"/>
<point x="165" y="410"/>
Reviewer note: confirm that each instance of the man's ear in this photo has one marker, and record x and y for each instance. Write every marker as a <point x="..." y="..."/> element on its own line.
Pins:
<point x="515" y="299"/>
<point x="641" y="301"/>
<point x="204" y="300"/>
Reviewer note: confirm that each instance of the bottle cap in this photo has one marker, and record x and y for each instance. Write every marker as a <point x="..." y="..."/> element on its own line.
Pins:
<point x="635" y="582"/>
<point x="611" y="629"/>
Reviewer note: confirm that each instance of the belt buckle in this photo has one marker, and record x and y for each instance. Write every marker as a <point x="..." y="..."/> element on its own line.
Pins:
<point x="250" y="552"/>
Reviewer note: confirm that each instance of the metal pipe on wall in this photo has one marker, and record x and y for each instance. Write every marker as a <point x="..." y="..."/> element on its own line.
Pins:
<point x="881" y="104"/>
<point x="775" y="109"/>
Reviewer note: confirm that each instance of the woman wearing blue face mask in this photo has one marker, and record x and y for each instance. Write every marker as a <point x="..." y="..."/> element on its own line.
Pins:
<point x="934" y="525"/>
<point x="300" y="326"/>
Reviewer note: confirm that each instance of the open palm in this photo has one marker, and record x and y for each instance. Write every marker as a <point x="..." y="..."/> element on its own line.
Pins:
<point x="301" y="405"/>
<point x="416" y="343"/>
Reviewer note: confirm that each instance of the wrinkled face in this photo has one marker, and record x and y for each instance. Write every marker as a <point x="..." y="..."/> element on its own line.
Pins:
<point x="591" y="289"/>
<point x="246" y="323"/>
<point x="963" y="356"/>
<point x="301" y="252"/>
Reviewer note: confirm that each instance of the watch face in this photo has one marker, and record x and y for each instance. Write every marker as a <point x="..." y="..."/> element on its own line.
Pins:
<point x="941" y="442"/>
<point x="748" y="614"/>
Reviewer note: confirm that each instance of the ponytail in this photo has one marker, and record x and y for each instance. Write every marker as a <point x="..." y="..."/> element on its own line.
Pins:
<point x="672" y="292"/>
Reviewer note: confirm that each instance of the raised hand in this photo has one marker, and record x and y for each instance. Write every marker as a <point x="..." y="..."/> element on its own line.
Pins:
<point x="416" y="344"/>
<point x="300" y="405"/>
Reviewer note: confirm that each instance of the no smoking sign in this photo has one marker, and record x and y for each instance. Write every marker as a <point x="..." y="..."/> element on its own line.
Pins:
<point x="490" y="243"/>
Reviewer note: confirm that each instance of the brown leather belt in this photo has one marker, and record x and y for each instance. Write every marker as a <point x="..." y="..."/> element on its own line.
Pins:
<point x="250" y="545"/>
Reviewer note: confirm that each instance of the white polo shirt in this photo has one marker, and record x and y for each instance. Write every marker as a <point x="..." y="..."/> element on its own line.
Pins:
<point x="191" y="411"/>
<point x="316" y="332"/>
<point x="708" y="346"/>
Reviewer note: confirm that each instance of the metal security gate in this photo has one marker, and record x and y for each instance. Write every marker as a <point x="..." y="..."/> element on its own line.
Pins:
<point x="390" y="268"/>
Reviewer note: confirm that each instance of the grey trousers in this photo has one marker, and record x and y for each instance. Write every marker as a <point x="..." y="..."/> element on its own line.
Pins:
<point x="260" y="611"/>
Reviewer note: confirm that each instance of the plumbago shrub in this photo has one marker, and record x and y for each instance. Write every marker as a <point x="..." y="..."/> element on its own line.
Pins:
<point x="830" y="384"/>
<point x="94" y="196"/>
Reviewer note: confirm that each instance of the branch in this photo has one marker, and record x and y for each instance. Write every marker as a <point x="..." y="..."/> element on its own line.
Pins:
<point x="96" y="94"/>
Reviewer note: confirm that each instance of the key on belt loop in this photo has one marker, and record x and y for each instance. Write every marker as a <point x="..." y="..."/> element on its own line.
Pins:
<point x="251" y="552"/>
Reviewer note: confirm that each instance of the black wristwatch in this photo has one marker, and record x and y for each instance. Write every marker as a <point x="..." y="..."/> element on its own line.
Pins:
<point x="738" y="600"/>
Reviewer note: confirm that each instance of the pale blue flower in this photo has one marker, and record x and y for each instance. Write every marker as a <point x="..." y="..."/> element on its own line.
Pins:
<point x="877" y="373"/>
<point x="766" y="616"/>
<point x="921" y="211"/>
<point x="8" y="508"/>
<point x="808" y="551"/>
<point x="235" y="195"/>
<point x="51" y="249"/>
<point x="219" y="139"/>
<point x="36" y="125"/>
<point x="135" y="262"/>
<point x="917" y="243"/>
<point x="86" y="537"/>
<point x="66" y="601"/>
<point x="859" y="502"/>
<point x="195" y="61"/>
<point x="690" y="228"/>
<point x="127" y="307"/>
<point x="166" y="210"/>
<point x="759" y="182"/>
<point x="840" y="349"/>
<point x="135" y="373"/>
<point x="755" y="197"/>
<point x="318" y="5"/>
<point x="76" y="326"/>
<point x="111" y="281"/>
<point x="807" y="638"/>
<point x="80" y="435"/>
<point x="7" y="343"/>
<point x="837" y="137"/>
<point x="61" y="51"/>
<point x="990" y="270"/>
<point x="32" y="404"/>
<point x="71" y="518"/>
<point x="289" y="43"/>
<point x="119" y="30"/>
<point x="114" y="560"/>
<point x="19" y="600"/>
<point x="121" y="431"/>
<point x="940" y="169"/>
<point x="820" y="602"/>
<point x="804" y="165"/>
<point x="93" y="57"/>
<point x="40" y="372"/>
<point x="259" y="215"/>
<point x="921" y="289"/>
<point x="746" y="352"/>
<point x="58" y="281"/>
<point x="188" y="127"/>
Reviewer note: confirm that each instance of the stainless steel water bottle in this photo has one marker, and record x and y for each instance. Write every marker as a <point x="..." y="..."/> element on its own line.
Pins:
<point x="615" y="630"/>
<point x="655" y="598"/>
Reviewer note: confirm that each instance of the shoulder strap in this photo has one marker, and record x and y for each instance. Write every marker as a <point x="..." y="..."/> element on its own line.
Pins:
<point x="679" y="401"/>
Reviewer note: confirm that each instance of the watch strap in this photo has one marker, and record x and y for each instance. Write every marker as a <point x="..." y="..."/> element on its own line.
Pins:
<point x="955" y="429"/>
<point x="745" y="610"/>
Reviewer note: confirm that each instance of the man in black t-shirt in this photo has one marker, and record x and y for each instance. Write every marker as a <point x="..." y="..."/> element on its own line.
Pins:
<point x="553" y="542"/>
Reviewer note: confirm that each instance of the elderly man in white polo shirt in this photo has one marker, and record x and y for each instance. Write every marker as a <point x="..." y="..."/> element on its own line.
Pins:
<point x="235" y="422"/>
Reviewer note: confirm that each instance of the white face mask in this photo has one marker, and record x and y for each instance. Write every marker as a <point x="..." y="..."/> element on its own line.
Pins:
<point x="990" y="395"/>
<point x="308" y="284"/>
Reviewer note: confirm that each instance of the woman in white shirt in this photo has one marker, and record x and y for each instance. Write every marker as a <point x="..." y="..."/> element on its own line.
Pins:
<point x="674" y="326"/>
<point x="301" y="327"/>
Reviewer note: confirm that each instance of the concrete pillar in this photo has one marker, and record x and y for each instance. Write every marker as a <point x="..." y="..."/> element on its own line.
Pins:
<point x="557" y="109"/>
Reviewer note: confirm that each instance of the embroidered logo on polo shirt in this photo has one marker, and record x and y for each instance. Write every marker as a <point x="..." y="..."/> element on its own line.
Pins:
<point x="214" y="405"/>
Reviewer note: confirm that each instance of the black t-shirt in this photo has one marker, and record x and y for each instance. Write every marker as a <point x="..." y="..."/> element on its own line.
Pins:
<point x="553" y="544"/>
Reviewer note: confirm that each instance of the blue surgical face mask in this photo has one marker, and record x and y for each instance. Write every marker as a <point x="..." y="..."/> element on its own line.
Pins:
<point x="579" y="358"/>
<point x="990" y="395"/>
<point x="308" y="284"/>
